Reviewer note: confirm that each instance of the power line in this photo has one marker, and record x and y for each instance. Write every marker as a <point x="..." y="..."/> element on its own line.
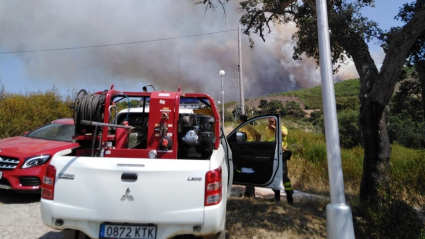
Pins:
<point x="113" y="44"/>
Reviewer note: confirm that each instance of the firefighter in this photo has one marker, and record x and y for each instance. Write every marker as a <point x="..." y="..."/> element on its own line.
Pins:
<point x="286" y="155"/>
<point x="252" y="134"/>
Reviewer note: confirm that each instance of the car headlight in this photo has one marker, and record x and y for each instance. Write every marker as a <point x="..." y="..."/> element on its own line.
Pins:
<point x="35" y="161"/>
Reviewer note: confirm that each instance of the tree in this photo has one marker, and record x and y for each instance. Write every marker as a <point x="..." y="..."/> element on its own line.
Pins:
<point x="349" y="34"/>
<point x="349" y="131"/>
<point x="228" y="117"/>
<point x="407" y="125"/>
<point x="274" y="107"/>
<point x="417" y="52"/>
<point x="293" y="108"/>
<point x="263" y="105"/>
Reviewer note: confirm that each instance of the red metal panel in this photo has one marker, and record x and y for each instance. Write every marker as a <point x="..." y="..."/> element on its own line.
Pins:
<point x="163" y="116"/>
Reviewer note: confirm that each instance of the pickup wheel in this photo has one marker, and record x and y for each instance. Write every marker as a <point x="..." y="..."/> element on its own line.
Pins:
<point x="221" y="235"/>
<point x="74" y="234"/>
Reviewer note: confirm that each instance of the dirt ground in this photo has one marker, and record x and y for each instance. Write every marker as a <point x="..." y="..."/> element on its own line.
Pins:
<point x="261" y="217"/>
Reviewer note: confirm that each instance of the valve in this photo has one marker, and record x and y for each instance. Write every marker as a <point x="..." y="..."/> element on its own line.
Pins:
<point x="165" y="143"/>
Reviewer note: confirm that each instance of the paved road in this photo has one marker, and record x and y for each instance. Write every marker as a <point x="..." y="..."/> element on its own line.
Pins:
<point x="20" y="217"/>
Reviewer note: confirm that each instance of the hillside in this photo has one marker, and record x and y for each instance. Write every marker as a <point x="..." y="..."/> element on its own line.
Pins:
<point x="309" y="99"/>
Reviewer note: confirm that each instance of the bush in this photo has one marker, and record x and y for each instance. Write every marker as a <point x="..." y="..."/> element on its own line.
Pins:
<point x="394" y="219"/>
<point x="20" y="113"/>
<point x="228" y="117"/>
<point x="349" y="130"/>
<point x="406" y="132"/>
<point x="293" y="109"/>
<point x="347" y="103"/>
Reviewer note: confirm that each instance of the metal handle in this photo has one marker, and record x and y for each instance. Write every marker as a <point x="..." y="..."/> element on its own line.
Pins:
<point x="129" y="176"/>
<point x="88" y="122"/>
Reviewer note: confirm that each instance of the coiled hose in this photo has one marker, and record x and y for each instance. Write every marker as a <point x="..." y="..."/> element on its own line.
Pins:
<point x="88" y="107"/>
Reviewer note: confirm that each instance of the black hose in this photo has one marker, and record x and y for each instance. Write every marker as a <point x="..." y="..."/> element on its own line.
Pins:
<point x="88" y="107"/>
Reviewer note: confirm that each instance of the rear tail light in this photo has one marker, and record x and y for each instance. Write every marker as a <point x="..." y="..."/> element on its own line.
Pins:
<point x="48" y="186"/>
<point x="213" y="187"/>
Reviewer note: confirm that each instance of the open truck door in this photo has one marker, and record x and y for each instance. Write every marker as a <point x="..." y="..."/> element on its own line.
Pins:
<point x="257" y="155"/>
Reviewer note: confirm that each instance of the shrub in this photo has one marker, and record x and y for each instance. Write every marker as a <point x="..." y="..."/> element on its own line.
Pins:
<point x="293" y="109"/>
<point x="394" y="219"/>
<point x="20" y="113"/>
<point x="349" y="130"/>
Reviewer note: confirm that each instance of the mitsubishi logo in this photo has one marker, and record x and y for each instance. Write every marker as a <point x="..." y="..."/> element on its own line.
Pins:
<point x="127" y="195"/>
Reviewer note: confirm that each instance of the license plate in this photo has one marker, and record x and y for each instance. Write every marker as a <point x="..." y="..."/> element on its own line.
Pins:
<point x="127" y="231"/>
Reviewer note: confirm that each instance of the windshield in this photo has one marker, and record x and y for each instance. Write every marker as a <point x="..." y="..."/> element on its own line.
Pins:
<point x="59" y="132"/>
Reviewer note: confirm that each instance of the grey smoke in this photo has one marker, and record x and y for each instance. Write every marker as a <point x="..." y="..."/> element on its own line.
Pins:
<point x="192" y="63"/>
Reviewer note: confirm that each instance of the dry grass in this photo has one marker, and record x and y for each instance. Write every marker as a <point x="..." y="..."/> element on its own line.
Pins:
<point x="260" y="218"/>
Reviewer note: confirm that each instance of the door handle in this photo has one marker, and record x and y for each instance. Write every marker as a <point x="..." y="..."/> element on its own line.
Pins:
<point x="129" y="176"/>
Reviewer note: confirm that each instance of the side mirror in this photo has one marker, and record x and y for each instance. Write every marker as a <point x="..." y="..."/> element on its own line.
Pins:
<point x="241" y="136"/>
<point x="25" y="133"/>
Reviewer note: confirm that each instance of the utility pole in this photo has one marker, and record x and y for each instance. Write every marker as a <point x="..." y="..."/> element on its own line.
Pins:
<point x="240" y="72"/>
<point x="222" y="98"/>
<point x="339" y="220"/>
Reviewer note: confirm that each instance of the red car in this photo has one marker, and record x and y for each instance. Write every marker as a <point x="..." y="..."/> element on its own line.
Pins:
<point x="24" y="159"/>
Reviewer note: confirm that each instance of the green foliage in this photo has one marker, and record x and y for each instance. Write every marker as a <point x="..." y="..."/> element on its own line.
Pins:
<point x="406" y="120"/>
<point x="312" y="97"/>
<point x="406" y="132"/>
<point x="406" y="13"/>
<point x="347" y="88"/>
<point x="263" y="104"/>
<point x="394" y="219"/>
<point x="347" y="103"/>
<point x="316" y="117"/>
<point x="20" y="113"/>
<point x="124" y="104"/>
<point x="396" y="216"/>
<point x="408" y="167"/>
<point x="311" y="147"/>
<point x="274" y="107"/>
<point x="350" y="134"/>
<point x="293" y="109"/>
<point x="228" y="116"/>
<point x="349" y="130"/>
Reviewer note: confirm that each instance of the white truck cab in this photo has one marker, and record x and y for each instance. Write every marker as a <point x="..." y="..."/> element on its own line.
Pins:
<point x="163" y="171"/>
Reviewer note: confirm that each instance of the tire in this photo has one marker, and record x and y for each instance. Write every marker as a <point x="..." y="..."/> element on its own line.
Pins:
<point x="221" y="235"/>
<point x="74" y="234"/>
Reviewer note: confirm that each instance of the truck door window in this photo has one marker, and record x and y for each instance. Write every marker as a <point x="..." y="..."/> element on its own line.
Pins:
<point x="254" y="158"/>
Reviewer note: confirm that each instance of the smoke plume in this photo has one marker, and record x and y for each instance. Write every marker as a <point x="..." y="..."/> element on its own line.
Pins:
<point x="190" y="62"/>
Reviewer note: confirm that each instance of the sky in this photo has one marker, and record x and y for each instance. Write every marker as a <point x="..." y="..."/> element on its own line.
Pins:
<point x="164" y="43"/>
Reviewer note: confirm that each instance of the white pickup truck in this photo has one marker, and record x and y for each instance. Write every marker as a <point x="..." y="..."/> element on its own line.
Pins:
<point x="161" y="170"/>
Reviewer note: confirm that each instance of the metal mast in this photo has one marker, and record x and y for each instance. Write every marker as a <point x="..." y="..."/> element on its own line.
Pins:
<point x="339" y="222"/>
<point x="240" y="72"/>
